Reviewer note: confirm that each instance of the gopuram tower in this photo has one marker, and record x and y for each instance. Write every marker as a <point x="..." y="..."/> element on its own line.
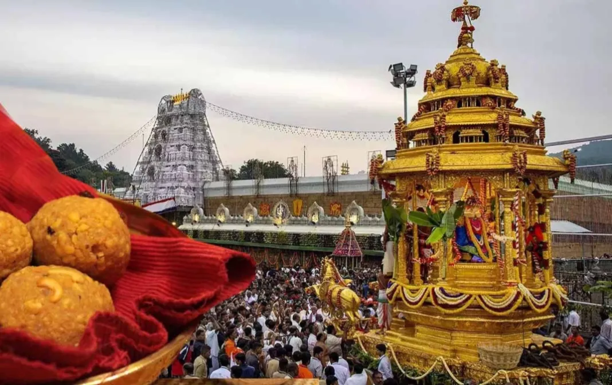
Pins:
<point x="487" y="275"/>
<point x="181" y="153"/>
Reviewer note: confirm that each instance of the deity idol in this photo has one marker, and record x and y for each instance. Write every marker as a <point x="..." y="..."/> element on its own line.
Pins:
<point x="471" y="234"/>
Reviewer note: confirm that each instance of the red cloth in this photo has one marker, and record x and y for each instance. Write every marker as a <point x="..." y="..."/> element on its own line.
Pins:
<point x="170" y="281"/>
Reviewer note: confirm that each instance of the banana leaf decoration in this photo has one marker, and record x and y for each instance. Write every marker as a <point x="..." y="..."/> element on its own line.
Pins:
<point x="443" y="224"/>
<point x="395" y="218"/>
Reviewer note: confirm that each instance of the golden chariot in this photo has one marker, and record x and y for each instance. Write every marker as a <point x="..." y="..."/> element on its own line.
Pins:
<point x="490" y="280"/>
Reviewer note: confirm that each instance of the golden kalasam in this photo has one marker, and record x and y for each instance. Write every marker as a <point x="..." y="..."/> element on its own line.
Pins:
<point x="87" y="234"/>
<point x="15" y="245"/>
<point x="52" y="302"/>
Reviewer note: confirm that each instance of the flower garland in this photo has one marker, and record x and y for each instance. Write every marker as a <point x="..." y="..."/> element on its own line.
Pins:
<point x="476" y="242"/>
<point x="499" y="303"/>
<point x="519" y="161"/>
<point x="432" y="163"/>
<point x="570" y="162"/>
<point x="503" y="125"/>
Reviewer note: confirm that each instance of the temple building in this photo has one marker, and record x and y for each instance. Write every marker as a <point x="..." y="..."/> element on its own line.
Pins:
<point x="180" y="155"/>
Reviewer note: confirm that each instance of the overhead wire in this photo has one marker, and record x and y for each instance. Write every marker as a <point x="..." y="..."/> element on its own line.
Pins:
<point x="114" y="149"/>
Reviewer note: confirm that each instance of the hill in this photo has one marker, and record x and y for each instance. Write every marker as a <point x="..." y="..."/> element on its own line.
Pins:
<point x="591" y="154"/>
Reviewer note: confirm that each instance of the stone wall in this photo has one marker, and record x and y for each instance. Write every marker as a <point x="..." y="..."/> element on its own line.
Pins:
<point x="370" y="201"/>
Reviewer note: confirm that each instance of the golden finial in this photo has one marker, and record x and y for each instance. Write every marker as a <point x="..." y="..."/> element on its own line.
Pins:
<point x="465" y="2"/>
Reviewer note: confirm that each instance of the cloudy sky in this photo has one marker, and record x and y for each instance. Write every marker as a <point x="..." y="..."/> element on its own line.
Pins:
<point x="92" y="72"/>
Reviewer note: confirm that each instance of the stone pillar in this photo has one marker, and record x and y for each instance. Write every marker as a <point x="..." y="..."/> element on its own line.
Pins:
<point x="547" y="196"/>
<point x="510" y="271"/>
<point x="441" y="267"/>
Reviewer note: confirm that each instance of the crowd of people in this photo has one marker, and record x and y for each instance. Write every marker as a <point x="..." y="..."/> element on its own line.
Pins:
<point x="275" y="330"/>
<point x="568" y="329"/>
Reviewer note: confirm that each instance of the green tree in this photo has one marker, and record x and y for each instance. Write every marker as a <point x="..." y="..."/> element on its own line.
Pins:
<point x="43" y="141"/>
<point x="68" y="156"/>
<point x="252" y="168"/>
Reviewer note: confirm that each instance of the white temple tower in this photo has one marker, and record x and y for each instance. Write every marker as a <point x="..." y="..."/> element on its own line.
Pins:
<point x="181" y="153"/>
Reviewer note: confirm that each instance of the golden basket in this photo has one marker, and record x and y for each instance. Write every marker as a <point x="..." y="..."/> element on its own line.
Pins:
<point x="147" y="370"/>
<point x="500" y="356"/>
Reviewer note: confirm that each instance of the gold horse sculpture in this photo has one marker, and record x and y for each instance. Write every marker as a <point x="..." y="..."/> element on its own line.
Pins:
<point x="337" y="298"/>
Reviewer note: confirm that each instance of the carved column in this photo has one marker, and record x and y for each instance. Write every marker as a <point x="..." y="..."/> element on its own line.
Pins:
<point x="442" y="270"/>
<point x="529" y="278"/>
<point x="400" y="258"/>
<point x="547" y="196"/>
<point x="511" y="272"/>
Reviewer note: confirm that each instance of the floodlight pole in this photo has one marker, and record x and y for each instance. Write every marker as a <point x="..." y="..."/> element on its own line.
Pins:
<point x="405" y="102"/>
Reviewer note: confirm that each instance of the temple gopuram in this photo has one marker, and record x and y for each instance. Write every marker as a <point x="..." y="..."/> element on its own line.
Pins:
<point x="480" y="277"/>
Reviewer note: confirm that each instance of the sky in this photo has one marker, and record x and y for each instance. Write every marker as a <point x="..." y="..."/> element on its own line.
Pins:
<point x="92" y="72"/>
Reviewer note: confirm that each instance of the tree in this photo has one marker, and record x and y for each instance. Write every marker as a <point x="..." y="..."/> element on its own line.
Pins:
<point x="43" y="141"/>
<point x="110" y="167"/>
<point x="67" y="156"/>
<point x="252" y="168"/>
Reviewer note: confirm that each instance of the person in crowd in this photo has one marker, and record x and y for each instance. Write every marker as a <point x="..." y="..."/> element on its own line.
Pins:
<point x="595" y="330"/>
<point x="377" y="378"/>
<point x="247" y="371"/>
<point x="558" y="332"/>
<point x="575" y="337"/>
<point x="200" y="364"/>
<point x="272" y="363"/>
<point x="188" y="371"/>
<point x="292" y="370"/>
<point x="384" y="366"/>
<point x="597" y="344"/>
<point x="223" y="371"/>
<point x="312" y="337"/>
<point x="322" y="343"/>
<point x="358" y="376"/>
<point x="573" y="320"/>
<point x="282" y="370"/>
<point x="316" y="364"/>
<point x="253" y="357"/>
<point x="213" y="342"/>
<point x="342" y="373"/>
<point x="236" y="372"/>
<point x="295" y="340"/>
<point x="229" y="347"/>
<point x="200" y="341"/>
<point x="303" y="371"/>
<point x="333" y="343"/>
<point x="332" y="380"/>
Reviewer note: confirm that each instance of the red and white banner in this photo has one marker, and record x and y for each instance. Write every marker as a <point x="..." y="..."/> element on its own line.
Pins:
<point x="159" y="206"/>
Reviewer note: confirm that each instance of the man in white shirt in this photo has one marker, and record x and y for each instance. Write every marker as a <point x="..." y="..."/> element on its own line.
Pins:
<point x="343" y="362"/>
<point x="295" y="340"/>
<point x="342" y="373"/>
<point x="223" y="371"/>
<point x="358" y="377"/>
<point x="213" y="342"/>
<point x="384" y="366"/>
<point x="573" y="320"/>
<point x="262" y="321"/>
